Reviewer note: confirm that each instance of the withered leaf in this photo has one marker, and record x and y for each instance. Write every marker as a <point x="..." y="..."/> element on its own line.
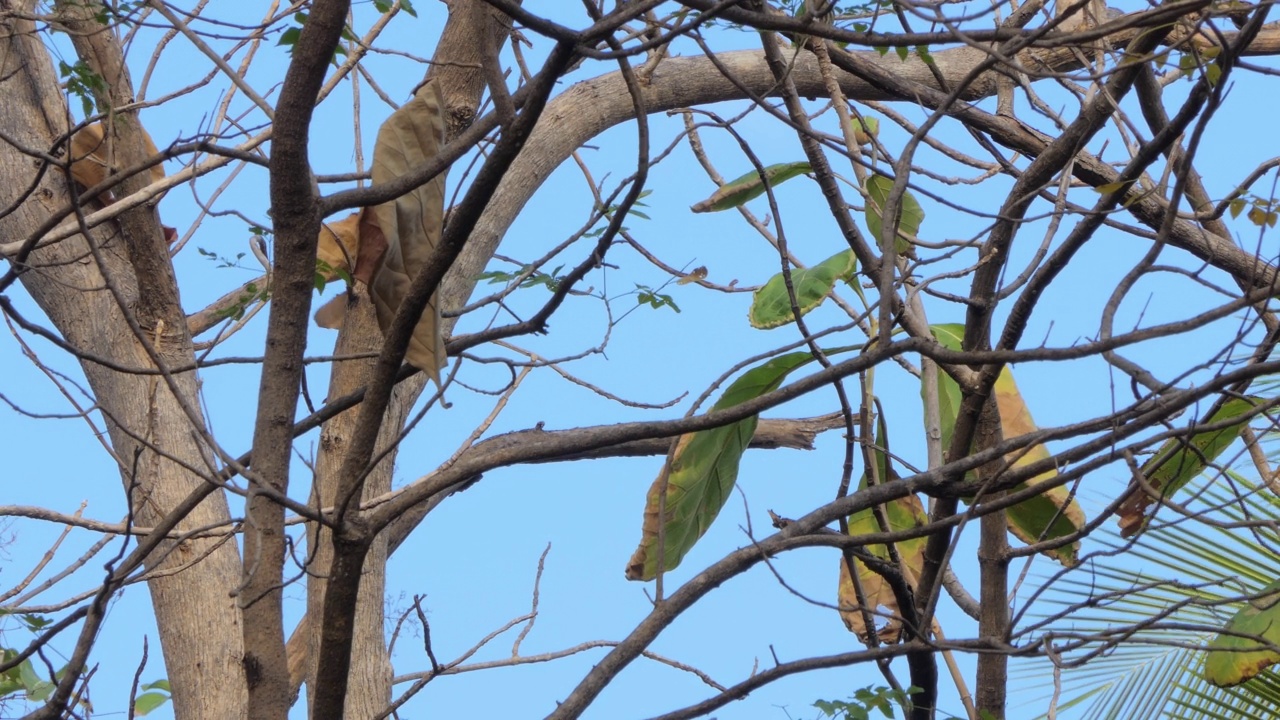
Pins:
<point x="905" y="513"/>
<point x="412" y="223"/>
<point x="339" y="245"/>
<point x="89" y="161"/>
<point x="1180" y="459"/>
<point x="1053" y="514"/>
<point x="90" y="166"/>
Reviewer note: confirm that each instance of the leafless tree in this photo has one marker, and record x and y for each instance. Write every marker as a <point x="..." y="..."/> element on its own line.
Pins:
<point x="1079" y="125"/>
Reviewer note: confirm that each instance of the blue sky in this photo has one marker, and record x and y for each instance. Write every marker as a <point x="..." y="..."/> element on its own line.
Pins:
<point x="475" y="559"/>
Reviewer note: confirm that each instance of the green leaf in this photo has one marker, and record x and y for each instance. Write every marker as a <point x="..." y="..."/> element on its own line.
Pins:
<point x="8" y="686"/>
<point x="407" y="6"/>
<point x="82" y="82"/>
<point x="702" y="472"/>
<point x="771" y="306"/>
<point x="1051" y="514"/>
<point x="950" y="336"/>
<point x="35" y="622"/>
<point x="11" y="680"/>
<point x="289" y="37"/>
<point x="37" y="688"/>
<point x="1179" y="460"/>
<point x="382" y="6"/>
<point x="910" y="214"/>
<point x="148" y="701"/>
<point x="903" y="52"/>
<point x="1232" y="659"/>
<point x="27" y="673"/>
<point x="750" y="186"/>
<point x="869" y="698"/>
<point x="1187" y="64"/>
<point x="646" y="295"/>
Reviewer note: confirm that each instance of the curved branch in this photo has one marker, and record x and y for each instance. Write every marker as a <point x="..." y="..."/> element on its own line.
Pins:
<point x="589" y="108"/>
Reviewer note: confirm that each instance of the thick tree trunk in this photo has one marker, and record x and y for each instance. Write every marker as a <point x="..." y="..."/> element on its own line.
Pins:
<point x="369" y="688"/>
<point x="155" y="433"/>
<point x="470" y="38"/>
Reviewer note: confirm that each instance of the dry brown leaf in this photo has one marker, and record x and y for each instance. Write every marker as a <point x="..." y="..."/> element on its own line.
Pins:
<point x="331" y="314"/>
<point x="411" y="223"/>
<point x="902" y="514"/>
<point x="339" y="246"/>
<point x="877" y="592"/>
<point x="89" y="162"/>
<point x="362" y="240"/>
<point x="698" y="273"/>
<point x="373" y="248"/>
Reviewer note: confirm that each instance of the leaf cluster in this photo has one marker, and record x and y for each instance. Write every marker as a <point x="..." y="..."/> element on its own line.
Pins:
<point x="83" y="83"/>
<point x="864" y="701"/>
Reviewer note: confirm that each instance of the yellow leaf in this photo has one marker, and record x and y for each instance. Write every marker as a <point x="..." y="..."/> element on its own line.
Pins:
<point x="864" y="130"/>
<point x="1111" y="187"/>
<point x="1237" y="207"/>
<point x="698" y="273"/>
<point x="902" y="514"/>
<point x="877" y="593"/>
<point x="1053" y="513"/>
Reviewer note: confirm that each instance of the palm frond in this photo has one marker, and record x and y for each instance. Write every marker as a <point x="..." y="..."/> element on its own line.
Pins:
<point x="1147" y="609"/>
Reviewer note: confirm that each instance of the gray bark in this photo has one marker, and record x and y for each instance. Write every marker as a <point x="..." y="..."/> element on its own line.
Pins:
<point x="155" y="434"/>
<point x="369" y="688"/>
<point x="156" y="429"/>
<point x="590" y="107"/>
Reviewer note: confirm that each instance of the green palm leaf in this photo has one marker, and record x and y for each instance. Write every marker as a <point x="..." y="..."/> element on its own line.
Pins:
<point x="1186" y="573"/>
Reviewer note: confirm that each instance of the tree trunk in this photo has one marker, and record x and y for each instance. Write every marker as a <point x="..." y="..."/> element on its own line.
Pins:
<point x="471" y="37"/>
<point x="369" y="687"/>
<point x="156" y="435"/>
<point x="993" y="623"/>
<point x="993" y="568"/>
